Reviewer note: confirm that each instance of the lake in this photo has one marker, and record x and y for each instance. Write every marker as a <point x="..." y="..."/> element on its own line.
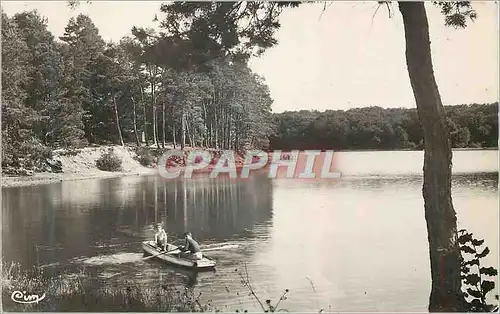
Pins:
<point x="358" y="243"/>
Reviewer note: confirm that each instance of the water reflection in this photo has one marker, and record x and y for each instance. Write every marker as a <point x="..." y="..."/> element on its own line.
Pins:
<point x="336" y="234"/>
<point x="66" y="224"/>
<point x="480" y="181"/>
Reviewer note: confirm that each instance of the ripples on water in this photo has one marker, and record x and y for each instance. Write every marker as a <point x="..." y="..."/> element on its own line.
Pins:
<point x="355" y="244"/>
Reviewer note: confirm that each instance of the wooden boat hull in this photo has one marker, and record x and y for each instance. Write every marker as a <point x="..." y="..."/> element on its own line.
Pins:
<point x="173" y="257"/>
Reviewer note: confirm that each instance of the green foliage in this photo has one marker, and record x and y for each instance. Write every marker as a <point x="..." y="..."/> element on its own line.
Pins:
<point x="36" y="114"/>
<point x="22" y="158"/>
<point x="145" y="156"/>
<point x="215" y="29"/>
<point x="456" y="13"/>
<point x="73" y="4"/>
<point x="82" y="49"/>
<point x="109" y="161"/>
<point x="474" y="283"/>
<point x="376" y="128"/>
<point x="78" y="90"/>
<point x="17" y="117"/>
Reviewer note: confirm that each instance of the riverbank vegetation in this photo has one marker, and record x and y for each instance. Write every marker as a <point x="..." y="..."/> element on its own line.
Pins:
<point x="78" y="292"/>
<point x="109" y="161"/>
<point x="470" y="126"/>
<point x="150" y="89"/>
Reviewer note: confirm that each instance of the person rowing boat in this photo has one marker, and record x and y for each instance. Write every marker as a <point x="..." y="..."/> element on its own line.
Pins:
<point x="161" y="237"/>
<point x="192" y="247"/>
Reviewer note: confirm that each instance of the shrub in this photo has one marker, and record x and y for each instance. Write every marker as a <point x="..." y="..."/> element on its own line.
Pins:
<point x="25" y="157"/>
<point x="145" y="156"/>
<point x="69" y="152"/>
<point x="474" y="274"/>
<point x="109" y="161"/>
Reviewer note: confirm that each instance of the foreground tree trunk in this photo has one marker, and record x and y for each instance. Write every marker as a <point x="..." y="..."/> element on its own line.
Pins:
<point x="440" y="216"/>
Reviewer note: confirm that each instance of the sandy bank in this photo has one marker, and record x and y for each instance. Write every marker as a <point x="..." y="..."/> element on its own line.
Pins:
<point x="82" y="166"/>
<point x="46" y="178"/>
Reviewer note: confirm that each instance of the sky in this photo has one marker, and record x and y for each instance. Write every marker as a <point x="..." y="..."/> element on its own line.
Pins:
<point x="350" y="55"/>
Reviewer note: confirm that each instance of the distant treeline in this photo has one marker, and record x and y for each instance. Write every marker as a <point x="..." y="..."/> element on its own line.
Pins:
<point x="471" y="126"/>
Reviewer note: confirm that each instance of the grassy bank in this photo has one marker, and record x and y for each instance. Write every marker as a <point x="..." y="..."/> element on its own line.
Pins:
<point x="77" y="292"/>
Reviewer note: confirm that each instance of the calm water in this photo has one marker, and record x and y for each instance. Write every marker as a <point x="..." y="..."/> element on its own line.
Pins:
<point x="354" y="244"/>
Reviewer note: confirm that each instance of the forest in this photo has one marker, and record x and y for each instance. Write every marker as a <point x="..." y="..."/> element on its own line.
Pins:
<point x="470" y="126"/>
<point x="190" y="90"/>
<point x="79" y="90"/>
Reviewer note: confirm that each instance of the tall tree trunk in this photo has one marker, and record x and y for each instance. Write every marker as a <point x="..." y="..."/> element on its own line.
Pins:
<point x="223" y="127"/>
<point x="135" y="124"/>
<point x="156" y="200"/>
<point x="216" y="132"/>
<point x="237" y="137"/>
<point x="183" y="129"/>
<point x="153" y="74"/>
<point x="155" y="142"/>
<point x="162" y="132"/>
<point x="163" y="124"/>
<point x="118" y="122"/>
<point x="440" y="215"/>
<point x="188" y="133"/>
<point x="156" y="135"/>
<point x="192" y="138"/>
<point x="145" y="117"/>
<point x="204" y="137"/>
<point x="153" y="105"/>
<point x="211" y="135"/>
<point x="229" y="131"/>
<point x="173" y="136"/>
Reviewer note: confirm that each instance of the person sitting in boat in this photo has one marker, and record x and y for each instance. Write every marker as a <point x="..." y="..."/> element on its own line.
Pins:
<point x="161" y="237"/>
<point x="192" y="246"/>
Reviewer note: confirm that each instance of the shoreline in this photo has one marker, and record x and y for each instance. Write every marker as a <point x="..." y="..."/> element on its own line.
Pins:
<point x="393" y="150"/>
<point x="137" y="170"/>
<point x="49" y="178"/>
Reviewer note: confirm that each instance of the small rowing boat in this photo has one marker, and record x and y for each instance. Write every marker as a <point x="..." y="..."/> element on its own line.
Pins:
<point x="173" y="256"/>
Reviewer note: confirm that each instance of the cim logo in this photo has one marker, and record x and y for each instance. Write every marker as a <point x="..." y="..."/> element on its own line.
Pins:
<point x="22" y="297"/>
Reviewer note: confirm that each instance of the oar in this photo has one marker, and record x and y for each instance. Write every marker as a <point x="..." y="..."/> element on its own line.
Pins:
<point x="224" y="247"/>
<point x="148" y="257"/>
